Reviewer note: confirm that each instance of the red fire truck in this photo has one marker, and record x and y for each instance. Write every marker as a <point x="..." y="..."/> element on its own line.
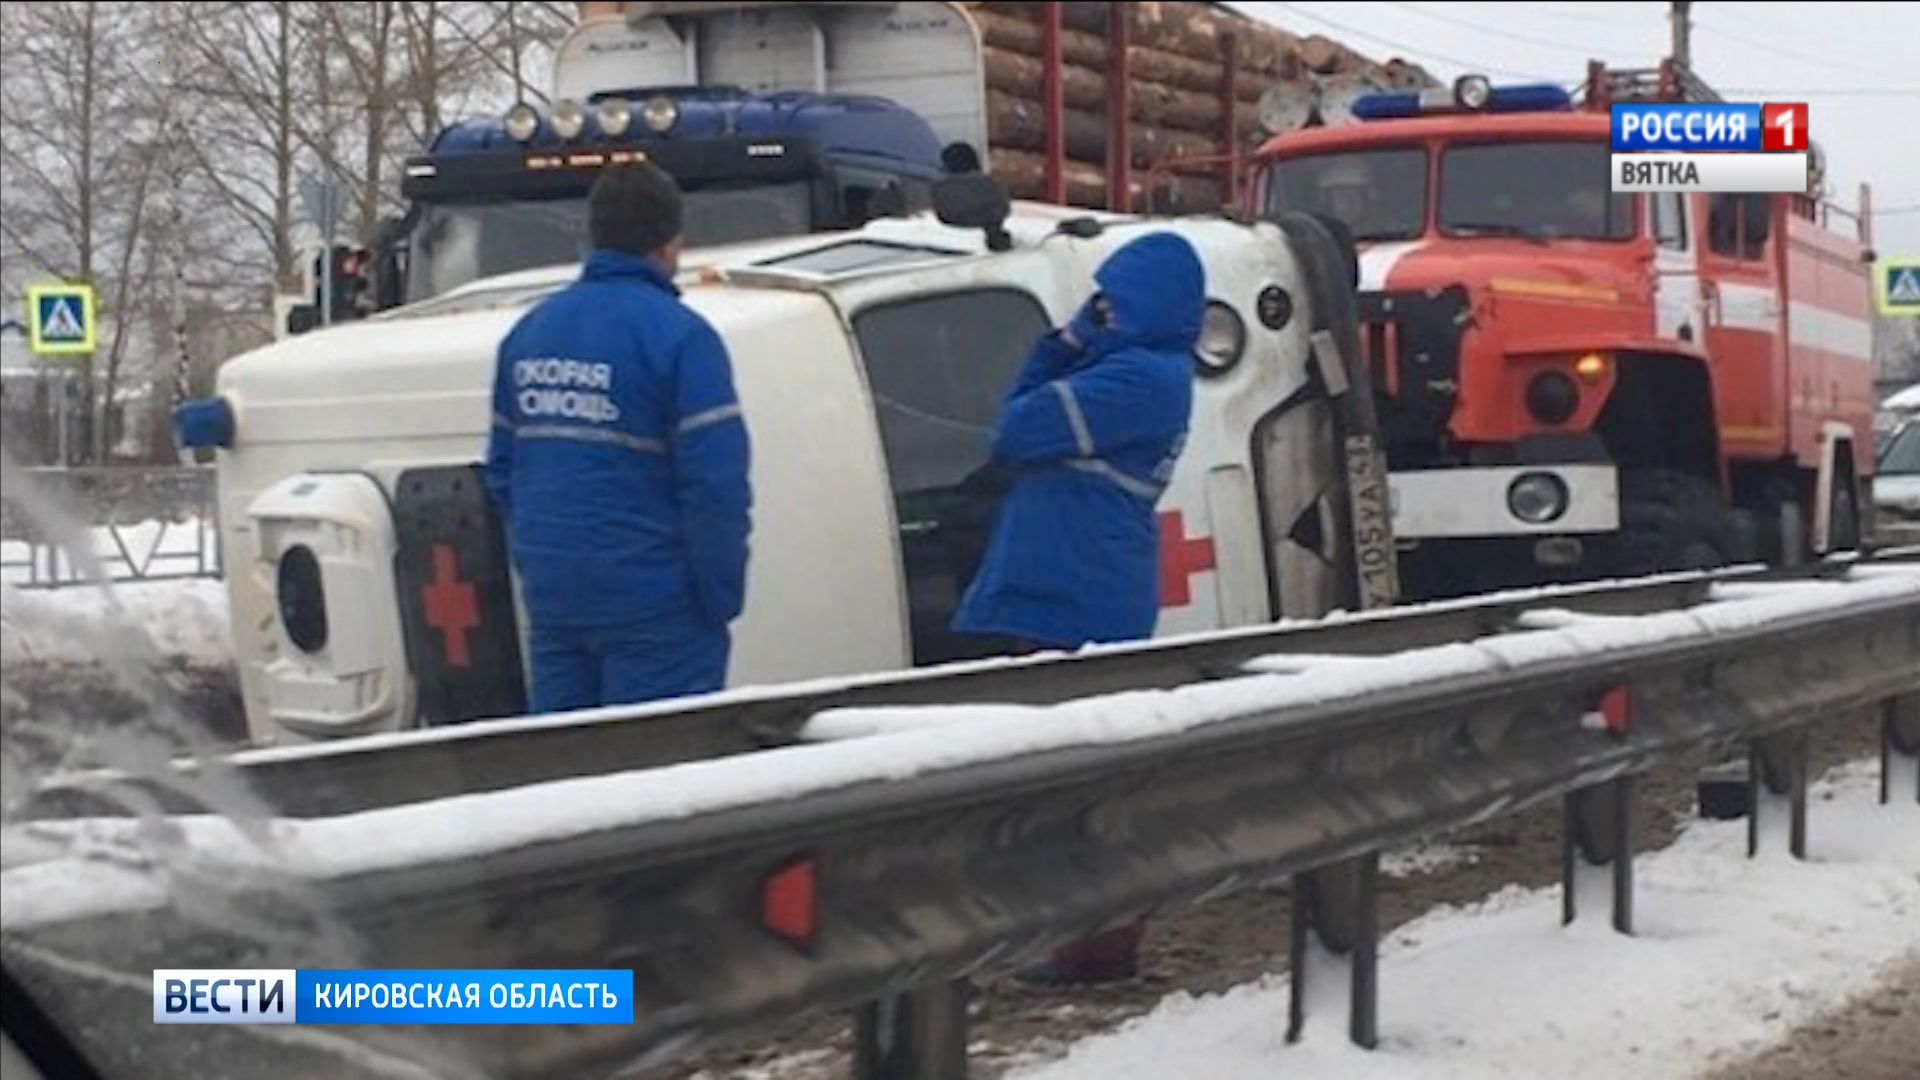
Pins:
<point x="1573" y="382"/>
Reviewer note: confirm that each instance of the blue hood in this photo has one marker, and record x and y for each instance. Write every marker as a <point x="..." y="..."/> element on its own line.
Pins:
<point x="1158" y="290"/>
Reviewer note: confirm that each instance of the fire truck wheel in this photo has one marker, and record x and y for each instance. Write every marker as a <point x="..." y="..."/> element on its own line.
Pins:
<point x="1672" y="521"/>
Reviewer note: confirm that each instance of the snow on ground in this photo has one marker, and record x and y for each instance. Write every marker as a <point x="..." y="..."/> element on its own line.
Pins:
<point x="1730" y="954"/>
<point x="165" y="618"/>
<point x="177" y="618"/>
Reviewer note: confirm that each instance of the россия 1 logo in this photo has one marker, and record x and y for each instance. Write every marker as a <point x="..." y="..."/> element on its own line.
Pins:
<point x="1699" y="126"/>
<point x="1709" y="146"/>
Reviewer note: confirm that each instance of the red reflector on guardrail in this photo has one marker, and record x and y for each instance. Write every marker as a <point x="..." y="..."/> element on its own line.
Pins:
<point x="788" y="901"/>
<point x="1616" y="706"/>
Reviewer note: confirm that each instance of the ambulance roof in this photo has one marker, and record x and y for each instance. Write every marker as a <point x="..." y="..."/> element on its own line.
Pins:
<point x="880" y="246"/>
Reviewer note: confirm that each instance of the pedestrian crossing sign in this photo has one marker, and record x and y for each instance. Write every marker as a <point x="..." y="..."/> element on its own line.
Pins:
<point x="1899" y="286"/>
<point x="60" y="319"/>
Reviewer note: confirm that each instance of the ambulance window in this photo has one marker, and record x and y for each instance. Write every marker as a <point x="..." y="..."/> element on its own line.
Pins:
<point x="1737" y="225"/>
<point x="1670" y="219"/>
<point x="939" y="367"/>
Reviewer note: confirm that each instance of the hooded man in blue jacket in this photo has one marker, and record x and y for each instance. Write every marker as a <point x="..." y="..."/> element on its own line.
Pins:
<point x="1090" y="433"/>
<point x="618" y="460"/>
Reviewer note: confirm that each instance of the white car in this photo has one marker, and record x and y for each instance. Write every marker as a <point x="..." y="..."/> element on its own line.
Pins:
<point x="1896" y="487"/>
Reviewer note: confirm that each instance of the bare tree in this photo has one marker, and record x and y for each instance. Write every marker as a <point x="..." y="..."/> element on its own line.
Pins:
<point x="158" y="152"/>
<point x="241" y="69"/>
<point x="75" y="143"/>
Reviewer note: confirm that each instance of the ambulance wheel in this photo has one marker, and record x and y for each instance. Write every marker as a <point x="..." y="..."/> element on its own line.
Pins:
<point x="1672" y="521"/>
<point x="1343" y="242"/>
<point x="1330" y="271"/>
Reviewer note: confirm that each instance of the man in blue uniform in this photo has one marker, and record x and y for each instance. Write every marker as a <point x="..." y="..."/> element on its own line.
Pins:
<point x="618" y="460"/>
<point x="1090" y="433"/>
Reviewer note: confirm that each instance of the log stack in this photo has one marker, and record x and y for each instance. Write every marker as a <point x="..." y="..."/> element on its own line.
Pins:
<point x="1177" y="64"/>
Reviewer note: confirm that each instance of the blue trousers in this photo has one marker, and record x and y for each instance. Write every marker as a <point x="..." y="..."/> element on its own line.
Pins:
<point x="579" y="668"/>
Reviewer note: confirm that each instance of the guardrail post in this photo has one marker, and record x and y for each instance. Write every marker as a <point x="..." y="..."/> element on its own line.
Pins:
<point x="1900" y="747"/>
<point x="1338" y="908"/>
<point x="1598" y="830"/>
<point x="1777" y="773"/>
<point x="918" y="1035"/>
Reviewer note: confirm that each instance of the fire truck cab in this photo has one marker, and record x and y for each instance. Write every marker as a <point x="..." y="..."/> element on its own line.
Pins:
<point x="1574" y="382"/>
<point x="368" y="580"/>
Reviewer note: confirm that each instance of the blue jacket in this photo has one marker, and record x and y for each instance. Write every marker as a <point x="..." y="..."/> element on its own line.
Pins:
<point x="1091" y="433"/>
<point x="618" y="455"/>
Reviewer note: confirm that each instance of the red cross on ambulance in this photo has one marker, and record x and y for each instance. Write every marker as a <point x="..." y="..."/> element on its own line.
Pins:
<point x="452" y="605"/>
<point x="1181" y="557"/>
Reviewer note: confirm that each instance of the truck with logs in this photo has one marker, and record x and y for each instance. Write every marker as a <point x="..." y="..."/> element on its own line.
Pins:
<point x="805" y="117"/>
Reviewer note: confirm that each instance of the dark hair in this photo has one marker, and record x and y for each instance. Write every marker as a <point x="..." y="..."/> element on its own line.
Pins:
<point x="634" y="208"/>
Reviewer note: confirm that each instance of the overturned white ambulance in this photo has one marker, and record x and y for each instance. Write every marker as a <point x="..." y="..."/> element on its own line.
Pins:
<point x="368" y="583"/>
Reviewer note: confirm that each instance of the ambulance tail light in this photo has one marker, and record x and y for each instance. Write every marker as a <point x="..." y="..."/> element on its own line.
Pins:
<point x="204" y="423"/>
<point x="301" y="596"/>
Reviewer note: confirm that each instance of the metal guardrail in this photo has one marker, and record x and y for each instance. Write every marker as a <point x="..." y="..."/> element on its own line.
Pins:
<point x="367" y="773"/>
<point x="158" y="523"/>
<point x="887" y="891"/>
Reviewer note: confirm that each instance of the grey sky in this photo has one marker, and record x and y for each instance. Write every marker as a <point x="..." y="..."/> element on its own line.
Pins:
<point x="1857" y="65"/>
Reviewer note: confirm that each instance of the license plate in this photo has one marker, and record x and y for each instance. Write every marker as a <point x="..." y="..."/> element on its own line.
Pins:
<point x="1375" y="564"/>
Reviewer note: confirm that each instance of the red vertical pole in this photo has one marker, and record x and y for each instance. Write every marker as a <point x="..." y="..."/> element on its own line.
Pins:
<point x="1229" y="132"/>
<point x="1053" y="104"/>
<point x="1119" y="109"/>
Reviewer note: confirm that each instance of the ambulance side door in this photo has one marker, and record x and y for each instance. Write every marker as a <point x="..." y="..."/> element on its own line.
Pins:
<point x="939" y="348"/>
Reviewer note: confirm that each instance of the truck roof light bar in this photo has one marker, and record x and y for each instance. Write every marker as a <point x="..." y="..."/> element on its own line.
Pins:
<point x="1536" y="97"/>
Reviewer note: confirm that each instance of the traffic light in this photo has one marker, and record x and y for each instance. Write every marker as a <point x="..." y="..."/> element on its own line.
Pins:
<point x="347" y="270"/>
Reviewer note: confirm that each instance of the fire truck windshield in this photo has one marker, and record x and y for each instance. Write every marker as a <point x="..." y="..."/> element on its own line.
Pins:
<point x="453" y="243"/>
<point x="1566" y="194"/>
<point x="1379" y="194"/>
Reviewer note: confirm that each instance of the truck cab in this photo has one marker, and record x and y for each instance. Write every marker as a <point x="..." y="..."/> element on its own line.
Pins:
<point x="1572" y="381"/>
<point x="776" y="120"/>
<point x="367" y="576"/>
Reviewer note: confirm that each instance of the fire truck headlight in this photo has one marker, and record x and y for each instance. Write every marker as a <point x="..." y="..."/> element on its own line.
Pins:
<point x="660" y="113"/>
<point x="522" y="122"/>
<point x="1537" y="498"/>
<point x="569" y="118"/>
<point x="1223" y="338"/>
<point x="1472" y="91"/>
<point x="615" y="116"/>
<point x="302" y="598"/>
<point x="1553" y="397"/>
<point x="1591" y="368"/>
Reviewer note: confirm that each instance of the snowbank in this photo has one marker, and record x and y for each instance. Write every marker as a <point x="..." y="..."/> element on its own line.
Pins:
<point x="174" y="619"/>
<point x="1730" y="955"/>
